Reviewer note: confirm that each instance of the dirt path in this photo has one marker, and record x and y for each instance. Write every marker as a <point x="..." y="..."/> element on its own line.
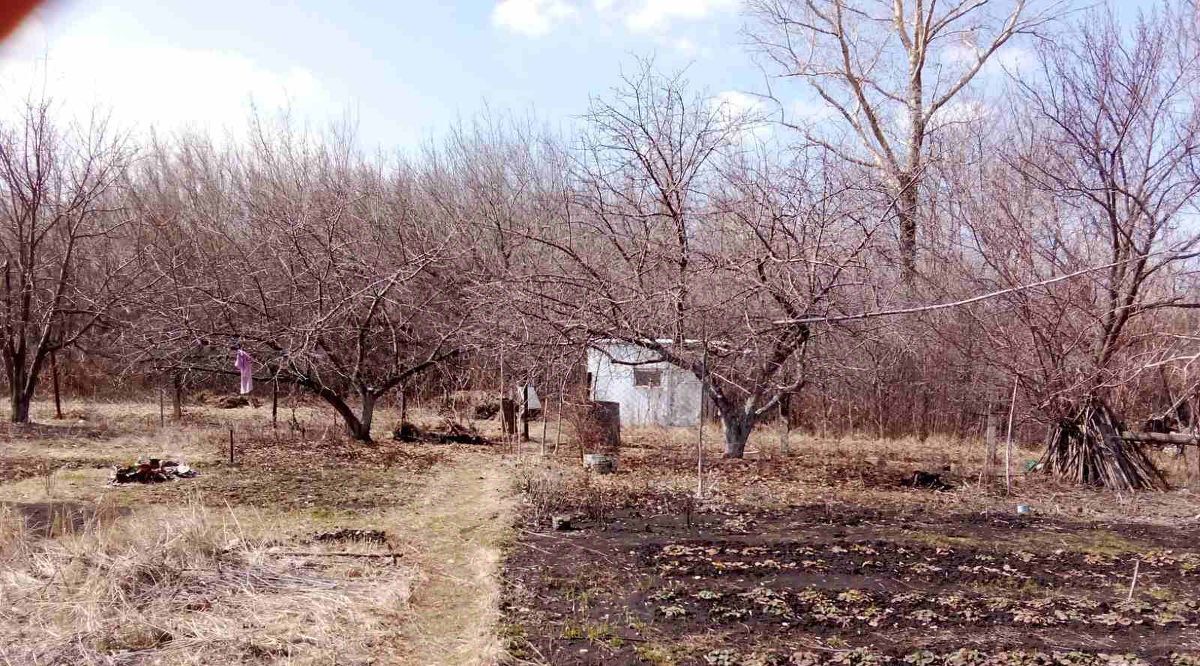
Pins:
<point x="458" y="527"/>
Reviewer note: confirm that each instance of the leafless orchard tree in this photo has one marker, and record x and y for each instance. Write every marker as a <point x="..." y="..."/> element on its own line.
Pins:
<point x="323" y="266"/>
<point x="684" y="238"/>
<point x="887" y="69"/>
<point x="70" y="252"/>
<point x="1098" y="170"/>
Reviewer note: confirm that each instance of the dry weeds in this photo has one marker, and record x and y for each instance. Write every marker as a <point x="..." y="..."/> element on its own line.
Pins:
<point x="189" y="586"/>
<point x="224" y="568"/>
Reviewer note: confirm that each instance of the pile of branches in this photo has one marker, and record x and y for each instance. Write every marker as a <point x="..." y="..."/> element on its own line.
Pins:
<point x="451" y="432"/>
<point x="1089" y="449"/>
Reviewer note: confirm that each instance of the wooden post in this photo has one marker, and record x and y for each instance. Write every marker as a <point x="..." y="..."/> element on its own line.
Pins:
<point x="785" y="413"/>
<point x="700" y="454"/>
<point x="545" y="423"/>
<point x="1012" y="408"/>
<point x="54" y="376"/>
<point x="177" y="396"/>
<point x="525" y="412"/>
<point x="558" y="428"/>
<point x="988" y="475"/>
<point x="700" y="430"/>
<point x="502" y="394"/>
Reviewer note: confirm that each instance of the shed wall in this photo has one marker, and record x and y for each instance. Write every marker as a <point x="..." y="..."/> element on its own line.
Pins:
<point x="675" y="402"/>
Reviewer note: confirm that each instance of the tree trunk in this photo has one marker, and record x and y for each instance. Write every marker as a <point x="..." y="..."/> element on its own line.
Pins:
<point x="54" y="377"/>
<point x="354" y="425"/>
<point x="907" y="213"/>
<point x="20" y="407"/>
<point x="367" y="415"/>
<point x="738" y="426"/>
<point x="20" y="392"/>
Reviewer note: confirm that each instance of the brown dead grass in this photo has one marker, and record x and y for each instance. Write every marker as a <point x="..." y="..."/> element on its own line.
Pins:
<point x="854" y="471"/>
<point x="199" y="587"/>
<point x="223" y="568"/>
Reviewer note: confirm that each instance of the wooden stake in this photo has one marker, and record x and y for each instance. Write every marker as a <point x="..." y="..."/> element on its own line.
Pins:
<point x="177" y="396"/>
<point x="1133" y="584"/>
<point x="525" y="411"/>
<point x="1012" y="408"/>
<point x="700" y="455"/>
<point x="988" y="475"/>
<point x="784" y="417"/>
<point x="54" y="376"/>
<point x="700" y="431"/>
<point x="545" y="424"/>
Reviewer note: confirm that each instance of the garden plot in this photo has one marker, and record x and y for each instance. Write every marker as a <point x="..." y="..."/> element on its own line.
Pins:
<point x="870" y="575"/>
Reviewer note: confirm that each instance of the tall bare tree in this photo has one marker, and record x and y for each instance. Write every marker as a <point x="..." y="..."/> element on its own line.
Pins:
<point x="69" y="253"/>
<point x="887" y="69"/>
<point x="683" y="237"/>
<point x="323" y="266"/>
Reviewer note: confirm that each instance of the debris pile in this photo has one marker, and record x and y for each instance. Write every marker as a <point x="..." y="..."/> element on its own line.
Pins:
<point x="225" y="401"/>
<point x="486" y="410"/>
<point x="152" y="471"/>
<point x="926" y="480"/>
<point x="1090" y="449"/>
<point x="450" y="432"/>
<point x="348" y="534"/>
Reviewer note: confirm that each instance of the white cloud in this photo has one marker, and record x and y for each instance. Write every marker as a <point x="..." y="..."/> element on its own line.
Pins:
<point x="660" y="15"/>
<point x="1009" y="58"/>
<point x="957" y="112"/>
<point x="806" y="111"/>
<point x="747" y="110"/>
<point x="685" y="45"/>
<point x="162" y="86"/>
<point x="735" y="104"/>
<point x="533" y="18"/>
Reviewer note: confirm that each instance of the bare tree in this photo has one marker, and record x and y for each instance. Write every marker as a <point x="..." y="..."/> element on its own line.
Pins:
<point x="686" y="239"/>
<point x="887" y="69"/>
<point x="321" y="265"/>
<point x="69" y="253"/>
<point x="1098" y="171"/>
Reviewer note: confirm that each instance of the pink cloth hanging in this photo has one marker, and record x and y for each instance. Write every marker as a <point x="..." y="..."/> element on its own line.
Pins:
<point x="245" y="364"/>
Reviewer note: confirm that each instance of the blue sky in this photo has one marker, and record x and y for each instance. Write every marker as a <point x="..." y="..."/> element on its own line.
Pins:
<point x="404" y="70"/>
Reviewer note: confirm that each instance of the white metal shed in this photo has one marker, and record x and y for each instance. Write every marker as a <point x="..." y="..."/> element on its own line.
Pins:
<point x="650" y="391"/>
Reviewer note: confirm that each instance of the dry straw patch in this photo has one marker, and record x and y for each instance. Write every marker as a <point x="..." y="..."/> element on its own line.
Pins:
<point x="190" y="586"/>
<point x="853" y="470"/>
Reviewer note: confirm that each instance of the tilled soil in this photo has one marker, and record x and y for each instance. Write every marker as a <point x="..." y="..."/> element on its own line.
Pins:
<point x="815" y="585"/>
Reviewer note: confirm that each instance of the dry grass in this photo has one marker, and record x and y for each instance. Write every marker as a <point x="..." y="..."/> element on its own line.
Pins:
<point x="462" y="524"/>
<point x="223" y="568"/>
<point x="189" y="586"/>
<point x="852" y="471"/>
